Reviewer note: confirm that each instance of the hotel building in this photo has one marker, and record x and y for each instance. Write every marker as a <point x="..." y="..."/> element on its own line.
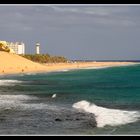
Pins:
<point x="17" y="47"/>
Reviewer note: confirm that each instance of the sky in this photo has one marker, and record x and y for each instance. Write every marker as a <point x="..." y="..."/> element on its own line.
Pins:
<point x="85" y="32"/>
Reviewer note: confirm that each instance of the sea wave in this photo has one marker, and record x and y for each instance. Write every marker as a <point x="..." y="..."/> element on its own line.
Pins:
<point x="17" y="97"/>
<point x="104" y="67"/>
<point x="14" y="101"/>
<point x="9" y="82"/>
<point x="65" y="70"/>
<point x="30" y="74"/>
<point x="19" y="102"/>
<point x="105" y="116"/>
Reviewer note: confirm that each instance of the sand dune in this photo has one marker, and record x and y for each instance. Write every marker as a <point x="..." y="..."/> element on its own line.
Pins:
<point x="12" y="63"/>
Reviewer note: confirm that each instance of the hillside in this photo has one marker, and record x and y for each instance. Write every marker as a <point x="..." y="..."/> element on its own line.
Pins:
<point x="15" y="63"/>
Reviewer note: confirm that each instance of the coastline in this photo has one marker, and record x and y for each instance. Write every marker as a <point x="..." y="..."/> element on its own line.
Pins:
<point x="54" y="67"/>
<point x="15" y="64"/>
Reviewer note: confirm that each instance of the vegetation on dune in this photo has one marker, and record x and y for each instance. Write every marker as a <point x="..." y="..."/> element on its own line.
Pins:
<point x="3" y="47"/>
<point x="45" y="58"/>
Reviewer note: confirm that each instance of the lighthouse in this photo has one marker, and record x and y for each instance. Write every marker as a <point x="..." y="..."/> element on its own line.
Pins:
<point x="37" y="48"/>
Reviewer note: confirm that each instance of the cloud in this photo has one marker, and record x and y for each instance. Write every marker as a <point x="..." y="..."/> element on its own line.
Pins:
<point x="92" y="10"/>
<point x="83" y="10"/>
<point x="105" y="15"/>
<point x="52" y="17"/>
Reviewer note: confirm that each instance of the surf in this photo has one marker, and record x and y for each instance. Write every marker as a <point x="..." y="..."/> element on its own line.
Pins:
<point x="106" y="116"/>
<point x="20" y="102"/>
<point x="9" y="82"/>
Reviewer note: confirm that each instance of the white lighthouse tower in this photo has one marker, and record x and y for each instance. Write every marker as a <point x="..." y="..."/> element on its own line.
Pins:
<point x="37" y="48"/>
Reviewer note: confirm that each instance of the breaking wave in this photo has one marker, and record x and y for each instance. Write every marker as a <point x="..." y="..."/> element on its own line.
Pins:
<point x="102" y="67"/>
<point x="14" y="101"/>
<point x="9" y="82"/>
<point x="19" y="102"/>
<point x="105" y="116"/>
<point x="65" y="70"/>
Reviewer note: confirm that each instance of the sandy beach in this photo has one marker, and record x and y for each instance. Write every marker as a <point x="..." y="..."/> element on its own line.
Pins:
<point x="14" y="64"/>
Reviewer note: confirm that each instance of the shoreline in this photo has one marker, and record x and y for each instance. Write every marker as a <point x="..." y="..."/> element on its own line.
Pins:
<point x="58" y="67"/>
<point x="14" y="64"/>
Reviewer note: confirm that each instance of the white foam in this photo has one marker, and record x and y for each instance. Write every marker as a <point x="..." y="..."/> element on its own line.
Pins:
<point x="65" y="70"/>
<point x="54" y="96"/>
<point x="103" y="67"/>
<point x="17" y="97"/>
<point x="31" y="74"/>
<point x="18" y="102"/>
<point x="105" y="116"/>
<point x="14" y="101"/>
<point x="36" y="106"/>
<point x="9" y="82"/>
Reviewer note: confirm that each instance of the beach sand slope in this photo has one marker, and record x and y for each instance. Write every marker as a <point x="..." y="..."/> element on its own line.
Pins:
<point x="14" y="64"/>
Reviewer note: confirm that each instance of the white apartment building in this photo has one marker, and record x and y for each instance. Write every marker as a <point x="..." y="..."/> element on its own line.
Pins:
<point x="17" y="47"/>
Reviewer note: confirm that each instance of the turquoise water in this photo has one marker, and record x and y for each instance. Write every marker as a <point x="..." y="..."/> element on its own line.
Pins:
<point x="110" y="88"/>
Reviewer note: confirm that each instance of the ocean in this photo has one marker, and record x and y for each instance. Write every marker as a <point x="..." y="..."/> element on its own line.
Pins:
<point x="103" y="101"/>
